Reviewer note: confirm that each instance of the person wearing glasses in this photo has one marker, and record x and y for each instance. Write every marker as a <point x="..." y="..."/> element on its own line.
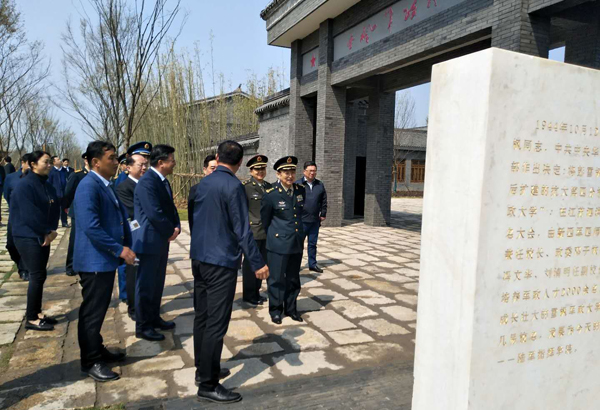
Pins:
<point x="137" y="164"/>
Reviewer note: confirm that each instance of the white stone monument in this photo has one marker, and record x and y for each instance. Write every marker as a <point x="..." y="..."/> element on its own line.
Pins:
<point x="509" y="295"/>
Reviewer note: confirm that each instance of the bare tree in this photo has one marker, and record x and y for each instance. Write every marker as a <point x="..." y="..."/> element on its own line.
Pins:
<point x="404" y="119"/>
<point x="107" y="72"/>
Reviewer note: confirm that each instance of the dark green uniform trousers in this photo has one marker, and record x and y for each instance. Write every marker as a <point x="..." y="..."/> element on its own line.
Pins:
<point x="284" y="282"/>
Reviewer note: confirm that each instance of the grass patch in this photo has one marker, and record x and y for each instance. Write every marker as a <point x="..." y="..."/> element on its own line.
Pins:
<point x="7" y="352"/>
<point x="183" y="214"/>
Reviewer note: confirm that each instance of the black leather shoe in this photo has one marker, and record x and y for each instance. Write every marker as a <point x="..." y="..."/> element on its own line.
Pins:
<point x="131" y="315"/>
<point x="276" y="319"/>
<point x="222" y="374"/>
<point x="316" y="268"/>
<point x="151" y="335"/>
<point x="253" y="303"/>
<point x="296" y="317"/>
<point x="164" y="324"/>
<point x="71" y="273"/>
<point x="49" y="320"/>
<point x="263" y="299"/>
<point x="110" y="357"/>
<point x="43" y="325"/>
<point x="25" y="277"/>
<point x="219" y="395"/>
<point x="100" y="372"/>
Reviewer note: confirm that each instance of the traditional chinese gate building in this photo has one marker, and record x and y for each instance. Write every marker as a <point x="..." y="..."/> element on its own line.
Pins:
<point x="348" y="52"/>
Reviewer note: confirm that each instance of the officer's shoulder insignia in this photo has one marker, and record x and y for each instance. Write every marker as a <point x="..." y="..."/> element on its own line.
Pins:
<point x="245" y="182"/>
<point x="269" y="190"/>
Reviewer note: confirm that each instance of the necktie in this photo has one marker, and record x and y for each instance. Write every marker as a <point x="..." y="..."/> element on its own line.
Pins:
<point x="289" y="192"/>
<point x="166" y="182"/>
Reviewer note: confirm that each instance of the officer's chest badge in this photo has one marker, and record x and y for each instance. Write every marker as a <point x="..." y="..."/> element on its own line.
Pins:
<point x="299" y="198"/>
<point x="281" y="203"/>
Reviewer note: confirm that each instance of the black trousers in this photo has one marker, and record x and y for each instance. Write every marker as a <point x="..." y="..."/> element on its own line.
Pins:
<point x="13" y="251"/>
<point x="96" y="290"/>
<point x="63" y="215"/>
<point x="69" y="264"/>
<point x="149" y="286"/>
<point x="35" y="256"/>
<point x="284" y="282"/>
<point x="214" y="290"/>
<point x="130" y="277"/>
<point x="251" y="284"/>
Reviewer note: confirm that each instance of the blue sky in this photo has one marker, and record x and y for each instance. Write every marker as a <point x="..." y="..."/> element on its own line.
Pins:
<point x="240" y="41"/>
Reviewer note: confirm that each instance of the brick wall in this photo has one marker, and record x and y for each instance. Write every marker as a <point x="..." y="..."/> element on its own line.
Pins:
<point x="273" y="132"/>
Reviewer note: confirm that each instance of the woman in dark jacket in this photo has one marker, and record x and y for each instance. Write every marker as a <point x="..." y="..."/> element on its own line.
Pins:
<point x="34" y="222"/>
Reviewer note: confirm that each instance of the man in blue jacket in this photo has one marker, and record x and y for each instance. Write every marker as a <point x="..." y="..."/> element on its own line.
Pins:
<point x="102" y="239"/>
<point x="220" y="234"/>
<point x="314" y="212"/>
<point x="58" y="179"/>
<point x="159" y="224"/>
<point x="9" y="185"/>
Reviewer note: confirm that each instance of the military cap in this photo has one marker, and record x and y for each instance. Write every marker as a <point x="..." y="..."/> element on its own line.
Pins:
<point x="257" y="161"/>
<point x="285" y="163"/>
<point x="84" y="155"/>
<point x="142" y="148"/>
<point x="122" y="157"/>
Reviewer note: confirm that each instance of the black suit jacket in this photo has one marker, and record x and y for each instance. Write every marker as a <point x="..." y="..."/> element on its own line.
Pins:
<point x="125" y="192"/>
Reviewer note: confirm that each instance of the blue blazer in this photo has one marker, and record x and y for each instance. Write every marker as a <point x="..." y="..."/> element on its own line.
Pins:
<point x="221" y="231"/>
<point x="9" y="185"/>
<point x="56" y="180"/>
<point x="156" y="213"/>
<point x="101" y="230"/>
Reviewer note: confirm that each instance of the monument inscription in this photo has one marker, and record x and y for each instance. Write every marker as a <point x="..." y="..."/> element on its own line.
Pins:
<point x="509" y="295"/>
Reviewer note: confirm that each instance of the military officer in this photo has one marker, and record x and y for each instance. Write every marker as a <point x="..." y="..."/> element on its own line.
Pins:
<point x="123" y="167"/>
<point x="281" y="216"/>
<point x="72" y="184"/>
<point x="255" y="188"/>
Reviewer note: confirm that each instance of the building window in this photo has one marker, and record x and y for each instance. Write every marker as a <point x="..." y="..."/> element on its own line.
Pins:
<point x="400" y="171"/>
<point x="417" y="171"/>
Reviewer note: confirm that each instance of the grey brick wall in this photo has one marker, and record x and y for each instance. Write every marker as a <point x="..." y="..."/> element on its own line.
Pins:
<point x="290" y="19"/>
<point x="583" y="44"/>
<point x="350" y="144"/>
<point x="274" y="135"/>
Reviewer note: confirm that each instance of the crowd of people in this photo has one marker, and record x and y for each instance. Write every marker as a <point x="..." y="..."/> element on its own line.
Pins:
<point x="122" y="224"/>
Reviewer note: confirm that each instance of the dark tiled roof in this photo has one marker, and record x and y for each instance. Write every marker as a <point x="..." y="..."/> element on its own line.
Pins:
<point x="411" y="138"/>
<point x="264" y="14"/>
<point x="274" y="101"/>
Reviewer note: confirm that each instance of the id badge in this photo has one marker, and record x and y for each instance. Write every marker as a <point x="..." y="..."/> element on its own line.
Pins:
<point x="134" y="225"/>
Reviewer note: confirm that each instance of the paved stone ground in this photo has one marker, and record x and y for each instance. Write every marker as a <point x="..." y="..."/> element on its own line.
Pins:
<point x="354" y="350"/>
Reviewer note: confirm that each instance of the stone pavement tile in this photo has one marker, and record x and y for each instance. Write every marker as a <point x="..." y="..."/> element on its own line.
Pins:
<point x="303" y="338"/>
<point x="355" y="262"/>
<point x="188" y="346"/>
<point x="309" y="282"/>
<point x="37" y="353"/>
<point x="244" y="330"/>
<point x="367" y="258"/>
<point x="286" y="321"/>
<point x="328" y="321"/>
<point x="356" y="275"/>
<point x="176" y="307"/>
<point x="60" y="330"/>
<point x="304" y="363"/>
<point x="184" y="264"/>
<point x="56" y="308"/>
<point x="386" y="265"/>
<point x="184" y="325"/>
<point x="15" y="285"/>
<point x="13" y="303"/>
<point x="240" y="314"/>
<point x="399" y="259"/>
<point x="172" y="280"/>
<point x="59" y="396"/>
<point x="383" y="328"/>
<point x="412" y="273"/>
<point x="370" y="352"/>
<point x="143" y="348"/>
<point x="326" y="295"/>
<point x="346" y="284"/>
<point x="12" y="316"/>
<point x="177" y="291"/>
<point x="339" y="267"/>
<point x="400" y="313"/>
<point x="326" y="275"/>
<point x="351" y="336"/>
<point x="187" y="273"/>
<point x="155" y="364"/>
<point x="305" y="304"/>
<point x="394" y="277"/>
<point x="8" y="332"/>
<point x="257" y="349"/>
<point x="412" y="286"/>
<point x="414" y="265"/>
<point x="383" y="286"/>
<point x="409" y="299"/>
<point x="184" y="381"/>
<point x="337" y="255"/>
<point x="372" y="269"/>
<point x="352" y="309"/>
<point x="131" y="389"/>
<point x="371" y="298"/>
<point x="246" y="372"/>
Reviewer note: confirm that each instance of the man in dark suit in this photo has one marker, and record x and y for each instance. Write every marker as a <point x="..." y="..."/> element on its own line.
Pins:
<point x="137" y="164"/>
<point x="11" y="181"/>
<point x="219" y="236"/>
<point x="66" y="167"/>
<point x="58" y="180"/>
<point x="103" y="238"/>
<point x="159" y="224"/>
<point x="281" y="215"/>
<point x="314" y="212"/>
<point x="9" y="168"/>
<point x="255" y="188"/>
<point x="72" y="184"/>
<point x="210" y="164"/>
